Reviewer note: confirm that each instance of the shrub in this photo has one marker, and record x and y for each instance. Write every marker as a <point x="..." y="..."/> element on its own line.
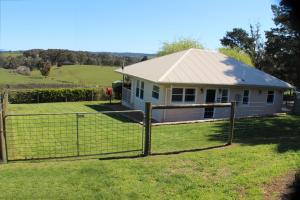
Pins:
<point x="56" y="95"/>
<point x="45" y="68"/>
<point x="23" y="70"/>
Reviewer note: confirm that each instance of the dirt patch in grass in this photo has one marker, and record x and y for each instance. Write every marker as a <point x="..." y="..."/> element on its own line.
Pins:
<point x="281" y="187"/>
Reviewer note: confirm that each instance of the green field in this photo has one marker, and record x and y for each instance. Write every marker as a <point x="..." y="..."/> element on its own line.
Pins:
<point x="69" y="74"/>
<point x="12" y="54"/>
<point x="263" y="149"/>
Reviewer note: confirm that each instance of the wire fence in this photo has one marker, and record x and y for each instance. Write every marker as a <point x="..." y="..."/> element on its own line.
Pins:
<point x="172" y="137"/>
<point x="60" y="135"/>
<point x="40" y="136"/>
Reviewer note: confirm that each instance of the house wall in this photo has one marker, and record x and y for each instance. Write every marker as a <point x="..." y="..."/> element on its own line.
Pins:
<point x="139" y="104"/>
<point x="257" y="102"/>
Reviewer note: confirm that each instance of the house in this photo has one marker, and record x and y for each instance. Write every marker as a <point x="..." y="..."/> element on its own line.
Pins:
<point x="197" y="76"/>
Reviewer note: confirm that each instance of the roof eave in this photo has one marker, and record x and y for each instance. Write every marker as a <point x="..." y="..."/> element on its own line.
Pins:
<point x="238" y="85"/>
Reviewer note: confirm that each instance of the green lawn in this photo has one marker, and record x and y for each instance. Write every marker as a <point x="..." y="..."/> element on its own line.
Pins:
<point x="69" y="74"/>
<point x="264" y="149"/>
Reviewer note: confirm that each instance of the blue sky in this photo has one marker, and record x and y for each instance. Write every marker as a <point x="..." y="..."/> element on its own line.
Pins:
<point x="124" y="25"/>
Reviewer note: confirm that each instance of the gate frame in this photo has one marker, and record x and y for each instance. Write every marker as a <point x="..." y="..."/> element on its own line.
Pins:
<point x="148" y="123"/>
<point x="77" y="114"/>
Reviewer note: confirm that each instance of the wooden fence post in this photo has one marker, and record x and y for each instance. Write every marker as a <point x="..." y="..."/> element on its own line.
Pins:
<point x="147" y="142"/>
<point x="5" y="104"/>
<point x="232" y="118"/>
<point x="3" y="157"/>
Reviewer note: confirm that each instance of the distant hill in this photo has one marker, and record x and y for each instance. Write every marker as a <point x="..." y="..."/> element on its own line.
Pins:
<point x="10" y="53"/>
<point x="70" y="74"/>
<point x="128" y="54"/>
<point x="120" y="54"/>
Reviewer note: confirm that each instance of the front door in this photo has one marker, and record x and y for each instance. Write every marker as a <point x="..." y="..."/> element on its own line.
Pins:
<point x="210" y="98"/>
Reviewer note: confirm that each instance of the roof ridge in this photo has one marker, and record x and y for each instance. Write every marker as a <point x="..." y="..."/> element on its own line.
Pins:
<point x="174" y="65"/>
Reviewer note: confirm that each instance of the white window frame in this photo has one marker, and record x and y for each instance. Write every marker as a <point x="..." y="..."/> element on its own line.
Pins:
<point x="184" y="92"/>
<point x="183" y="95"/>
<point x="156" y="92"/>
<point x="270" y="103"/>
<point x="220" y="96"/>
<point x="248" y="102"/>
<point x="142" y="90"/>
<point x="177" y="94"/>
<point x="137" y="89"/>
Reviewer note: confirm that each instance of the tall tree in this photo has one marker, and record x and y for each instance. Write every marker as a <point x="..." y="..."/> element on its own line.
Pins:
<point x="282" y="51"/>
<point x="250" y="43"/>
<point x="237" y="38"/>
<point x="292" y="16"/>
<point x="178" y="45"/>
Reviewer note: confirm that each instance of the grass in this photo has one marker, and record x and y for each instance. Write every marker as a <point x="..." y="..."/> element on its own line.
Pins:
<point x="70" y="74"/>
<point x="264" y="149"/>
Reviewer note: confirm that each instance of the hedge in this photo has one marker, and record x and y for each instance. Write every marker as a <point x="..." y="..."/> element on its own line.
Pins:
<point x="56" y="95"/>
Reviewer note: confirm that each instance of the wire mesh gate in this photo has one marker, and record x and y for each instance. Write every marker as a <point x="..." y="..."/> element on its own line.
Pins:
<point x="41" y="136"/>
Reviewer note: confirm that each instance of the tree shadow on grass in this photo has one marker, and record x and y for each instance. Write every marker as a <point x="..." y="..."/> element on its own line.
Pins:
<point x="99" y="107"/>
<point x="283" y="131"/>
<point x="293" y="189"/>
<point x="125" y="116"/>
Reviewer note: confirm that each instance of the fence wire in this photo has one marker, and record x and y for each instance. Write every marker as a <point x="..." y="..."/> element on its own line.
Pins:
<point x="191" y="135"/>
<point x="39" y="136"/>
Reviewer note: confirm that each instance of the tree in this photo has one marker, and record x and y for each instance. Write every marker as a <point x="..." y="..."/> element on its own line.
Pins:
<point x="238" y="55"/>
<point x="144" y="58"/>
<point x="12" y="62"/>
<point x="250" y="43"/>
<point x="45" y="67"/>
<point x="282" y="51"/>
<point x="237" y="38"/>
<point x="256" y="52"/>
<point x="292" y="16"/>
<point x="178" y="45"/>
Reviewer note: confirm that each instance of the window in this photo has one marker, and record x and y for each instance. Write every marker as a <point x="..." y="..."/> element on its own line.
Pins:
<point x="224" y="95"/>
<point x="155" y="92"/>
<point x="137" y="89"/>
<point x="142" y="90"/>
<point x="180" y="94"/>
<point x="189" y="95"/>
<point x="177" y="94"/>
<point x="270" y="97"/>
<point x="246" y="97"/>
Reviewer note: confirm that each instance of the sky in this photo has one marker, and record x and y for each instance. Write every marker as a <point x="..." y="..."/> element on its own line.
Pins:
<point x="139" y="26"/>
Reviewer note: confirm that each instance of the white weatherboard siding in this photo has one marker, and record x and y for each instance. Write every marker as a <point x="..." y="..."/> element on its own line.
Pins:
<point x="257" y="104"/>
<point x="139" y="104"/>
